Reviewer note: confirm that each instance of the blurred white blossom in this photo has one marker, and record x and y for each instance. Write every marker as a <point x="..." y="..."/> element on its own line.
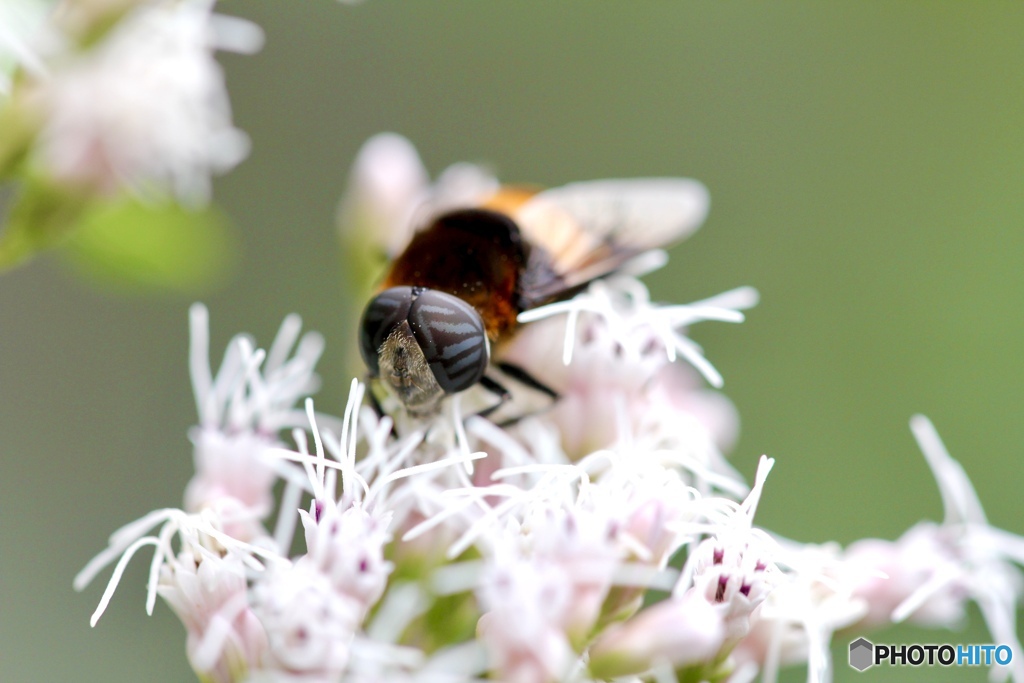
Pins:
<point x="934" y="569"/>
<point x="390" y="192"/>
<point x="143" y="108"/>
<point x="22" y="23"/>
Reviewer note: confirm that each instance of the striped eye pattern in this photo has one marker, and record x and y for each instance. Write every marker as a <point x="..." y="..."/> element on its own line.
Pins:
<point x="449" y="331"/>
<point x="385" y="312"/>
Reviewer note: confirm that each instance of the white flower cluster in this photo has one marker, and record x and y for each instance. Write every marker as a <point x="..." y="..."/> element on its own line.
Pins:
<point x="142" y="106"/>
<point x="459" y="550"/>
<point x="20" y="22"/>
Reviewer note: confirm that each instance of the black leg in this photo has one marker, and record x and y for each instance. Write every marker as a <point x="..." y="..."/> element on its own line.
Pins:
<point x="514" y="420"/>
<point x="521" y="375"/>
<point x="375" y="404"/>
<point x="496" y="389"/>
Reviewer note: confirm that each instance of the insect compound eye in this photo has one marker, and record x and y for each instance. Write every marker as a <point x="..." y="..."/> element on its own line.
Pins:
<point x="382" y="314"/>
<point x="451" y="334"/>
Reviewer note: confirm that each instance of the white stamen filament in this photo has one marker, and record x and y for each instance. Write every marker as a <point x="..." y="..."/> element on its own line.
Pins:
<point x="959" y="499"/>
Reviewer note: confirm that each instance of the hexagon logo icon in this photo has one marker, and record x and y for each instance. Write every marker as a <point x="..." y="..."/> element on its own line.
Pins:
<point x="862" y="653"/>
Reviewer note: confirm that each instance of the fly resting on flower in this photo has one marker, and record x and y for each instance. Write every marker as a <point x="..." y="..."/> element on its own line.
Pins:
<point x="452" y="297"/>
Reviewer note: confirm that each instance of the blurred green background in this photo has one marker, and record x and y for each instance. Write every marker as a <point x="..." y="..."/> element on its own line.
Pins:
<point x="865" y="162"/>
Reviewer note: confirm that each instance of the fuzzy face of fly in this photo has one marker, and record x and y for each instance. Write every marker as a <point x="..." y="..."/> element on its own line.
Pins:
<point x="404" y="369"/>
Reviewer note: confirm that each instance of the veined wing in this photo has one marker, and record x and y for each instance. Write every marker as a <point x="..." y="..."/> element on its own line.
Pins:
<point x="587" y="230"/>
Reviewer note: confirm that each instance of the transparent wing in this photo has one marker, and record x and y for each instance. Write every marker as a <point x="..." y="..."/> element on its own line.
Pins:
<point x="589" y="229"/>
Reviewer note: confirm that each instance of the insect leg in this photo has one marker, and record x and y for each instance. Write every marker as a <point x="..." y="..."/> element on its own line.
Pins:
<point x="501" y="392"/>
<point x="375" y="404"/>
<point x="504" y="396"/>
<point x="523" y="376"/>
<point x="520" y="374"/>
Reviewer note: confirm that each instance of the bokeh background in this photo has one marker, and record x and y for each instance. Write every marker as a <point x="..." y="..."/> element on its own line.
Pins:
<point x="865" y="162"/>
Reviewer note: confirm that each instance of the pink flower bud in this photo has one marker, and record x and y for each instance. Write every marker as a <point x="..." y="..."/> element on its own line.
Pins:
<point x="681" y="631"/>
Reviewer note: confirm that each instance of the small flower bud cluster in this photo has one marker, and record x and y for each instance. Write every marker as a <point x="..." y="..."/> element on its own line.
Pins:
<point x="241" y="411"/>
<point x="225" y="638"/>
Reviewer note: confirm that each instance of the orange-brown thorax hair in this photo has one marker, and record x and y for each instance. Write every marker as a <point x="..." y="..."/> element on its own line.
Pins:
<point x="477" y="255"/>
